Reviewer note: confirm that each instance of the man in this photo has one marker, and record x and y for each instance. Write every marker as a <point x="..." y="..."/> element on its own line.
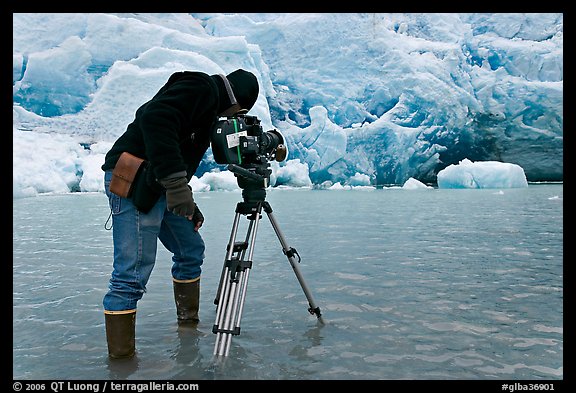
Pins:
<point x="172" y="133"/>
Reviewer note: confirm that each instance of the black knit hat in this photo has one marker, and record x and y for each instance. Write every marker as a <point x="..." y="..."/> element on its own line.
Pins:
<point x="245" y="87"/>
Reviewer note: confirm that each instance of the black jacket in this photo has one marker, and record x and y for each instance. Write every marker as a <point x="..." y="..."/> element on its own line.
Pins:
<point x="172" y="129"/>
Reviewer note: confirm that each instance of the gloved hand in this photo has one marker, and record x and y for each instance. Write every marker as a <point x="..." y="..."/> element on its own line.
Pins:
<point x="179" y="199"/>
<point x="197" y="218"/>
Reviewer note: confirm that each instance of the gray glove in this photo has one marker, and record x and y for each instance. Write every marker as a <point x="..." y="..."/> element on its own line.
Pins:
<point x="179" y="199"/>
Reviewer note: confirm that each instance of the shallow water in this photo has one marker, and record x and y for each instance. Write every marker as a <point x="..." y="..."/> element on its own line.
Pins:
<point x="412" y="284"/>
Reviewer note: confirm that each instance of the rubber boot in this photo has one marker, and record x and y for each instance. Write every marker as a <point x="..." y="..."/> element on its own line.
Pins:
<point x="120" y="333"/>
<point x="187" y="298"/>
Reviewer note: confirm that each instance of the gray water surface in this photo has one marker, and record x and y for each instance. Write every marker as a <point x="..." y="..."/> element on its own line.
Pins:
<point x="412" y="284"/>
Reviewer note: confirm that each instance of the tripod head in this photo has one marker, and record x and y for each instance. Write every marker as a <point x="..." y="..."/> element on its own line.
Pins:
<point x="253" y="179"/>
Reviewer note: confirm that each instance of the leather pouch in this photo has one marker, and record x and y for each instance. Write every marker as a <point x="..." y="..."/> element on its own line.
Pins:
<point x="124" y="174"/>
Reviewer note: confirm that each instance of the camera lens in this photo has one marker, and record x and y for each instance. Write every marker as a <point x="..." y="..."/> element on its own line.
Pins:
<point x="273" y="142"/>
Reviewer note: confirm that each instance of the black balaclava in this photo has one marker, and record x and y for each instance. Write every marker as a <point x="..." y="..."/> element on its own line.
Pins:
<point x="245" y="87"/>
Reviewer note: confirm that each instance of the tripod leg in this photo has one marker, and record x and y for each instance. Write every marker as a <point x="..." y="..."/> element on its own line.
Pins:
<point x="229" y="251"/>
<point x="290" y="253"/>
<point x="234" y="282"/>
<point x="222" y="295"/>
<point x="252" y="230"/>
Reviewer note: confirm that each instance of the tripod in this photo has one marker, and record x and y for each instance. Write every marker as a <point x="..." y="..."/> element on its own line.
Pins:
<point x="231" y="293"/>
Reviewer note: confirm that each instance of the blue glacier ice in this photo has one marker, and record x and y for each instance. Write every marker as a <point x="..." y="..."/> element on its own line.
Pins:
<point x="362" y="99"/>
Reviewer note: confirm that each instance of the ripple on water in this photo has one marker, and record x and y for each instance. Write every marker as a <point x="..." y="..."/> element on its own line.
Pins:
<point x="436" y="285"/>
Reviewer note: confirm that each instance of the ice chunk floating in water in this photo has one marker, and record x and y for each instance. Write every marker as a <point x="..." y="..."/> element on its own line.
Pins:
<point x="482" y="174"/>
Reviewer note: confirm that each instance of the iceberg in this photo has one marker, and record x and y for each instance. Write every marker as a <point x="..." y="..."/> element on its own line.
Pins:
<point x="482" y="174"/>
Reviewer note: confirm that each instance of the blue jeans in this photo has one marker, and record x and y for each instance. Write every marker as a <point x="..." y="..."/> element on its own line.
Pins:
<point x="135" y="237"/>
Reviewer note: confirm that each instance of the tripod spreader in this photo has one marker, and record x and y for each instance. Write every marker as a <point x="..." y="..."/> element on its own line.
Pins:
<point x="231" y="293"/>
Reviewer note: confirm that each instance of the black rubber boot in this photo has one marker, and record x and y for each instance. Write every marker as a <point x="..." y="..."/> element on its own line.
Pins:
<point x="187" y="298"/>
<point x="121" y="333"/>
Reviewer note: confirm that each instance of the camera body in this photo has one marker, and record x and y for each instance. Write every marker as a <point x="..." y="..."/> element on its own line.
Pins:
<point x="240" y="140"/>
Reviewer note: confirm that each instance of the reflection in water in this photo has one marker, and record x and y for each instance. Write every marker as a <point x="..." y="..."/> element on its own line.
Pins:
<point x="120" y="369"/>
<point x="311" y="345"/>
<point x="187" y="353"/>
<point x="314" y="335"/>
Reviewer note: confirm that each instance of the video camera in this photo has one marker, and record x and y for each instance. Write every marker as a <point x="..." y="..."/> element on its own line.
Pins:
<point x="240" y="140"/>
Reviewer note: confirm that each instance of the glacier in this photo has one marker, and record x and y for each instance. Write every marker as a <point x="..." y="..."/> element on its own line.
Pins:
<point x="362" y="99"/>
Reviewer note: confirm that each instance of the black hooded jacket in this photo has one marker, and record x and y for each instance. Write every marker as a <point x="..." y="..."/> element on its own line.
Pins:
<point x="172" y="129"/>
